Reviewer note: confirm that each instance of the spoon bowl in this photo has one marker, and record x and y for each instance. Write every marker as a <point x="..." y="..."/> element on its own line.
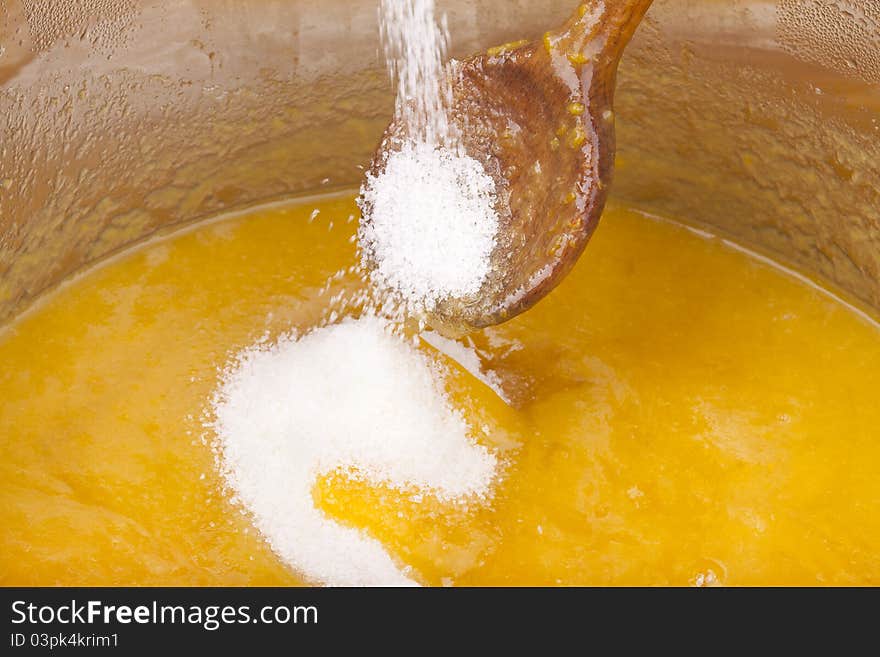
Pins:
<point x="539" y="117"/>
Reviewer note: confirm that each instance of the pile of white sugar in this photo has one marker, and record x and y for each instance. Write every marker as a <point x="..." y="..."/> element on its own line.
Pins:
<point x="352" y="397"/>
<point x="430" y="224"/>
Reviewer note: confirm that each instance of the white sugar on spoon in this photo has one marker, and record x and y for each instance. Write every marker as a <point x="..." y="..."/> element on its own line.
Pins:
<point x="429" y="216"/>
<point x="432" y="225"/>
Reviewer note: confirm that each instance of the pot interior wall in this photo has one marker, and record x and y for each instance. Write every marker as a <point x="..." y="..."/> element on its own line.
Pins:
<point x="758" y="119"/>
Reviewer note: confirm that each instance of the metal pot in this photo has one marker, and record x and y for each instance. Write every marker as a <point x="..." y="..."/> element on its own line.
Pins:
<point x="759" y="119"/>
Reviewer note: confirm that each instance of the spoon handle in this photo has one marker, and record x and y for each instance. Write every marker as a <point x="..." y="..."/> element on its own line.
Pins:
<point x="598" y="33"/>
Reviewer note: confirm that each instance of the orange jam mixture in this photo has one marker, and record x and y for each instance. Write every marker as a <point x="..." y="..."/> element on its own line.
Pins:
<point x="681" y="413"/>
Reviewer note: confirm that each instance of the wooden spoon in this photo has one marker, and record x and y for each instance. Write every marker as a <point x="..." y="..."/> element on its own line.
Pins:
<point x="539" y="117"/>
